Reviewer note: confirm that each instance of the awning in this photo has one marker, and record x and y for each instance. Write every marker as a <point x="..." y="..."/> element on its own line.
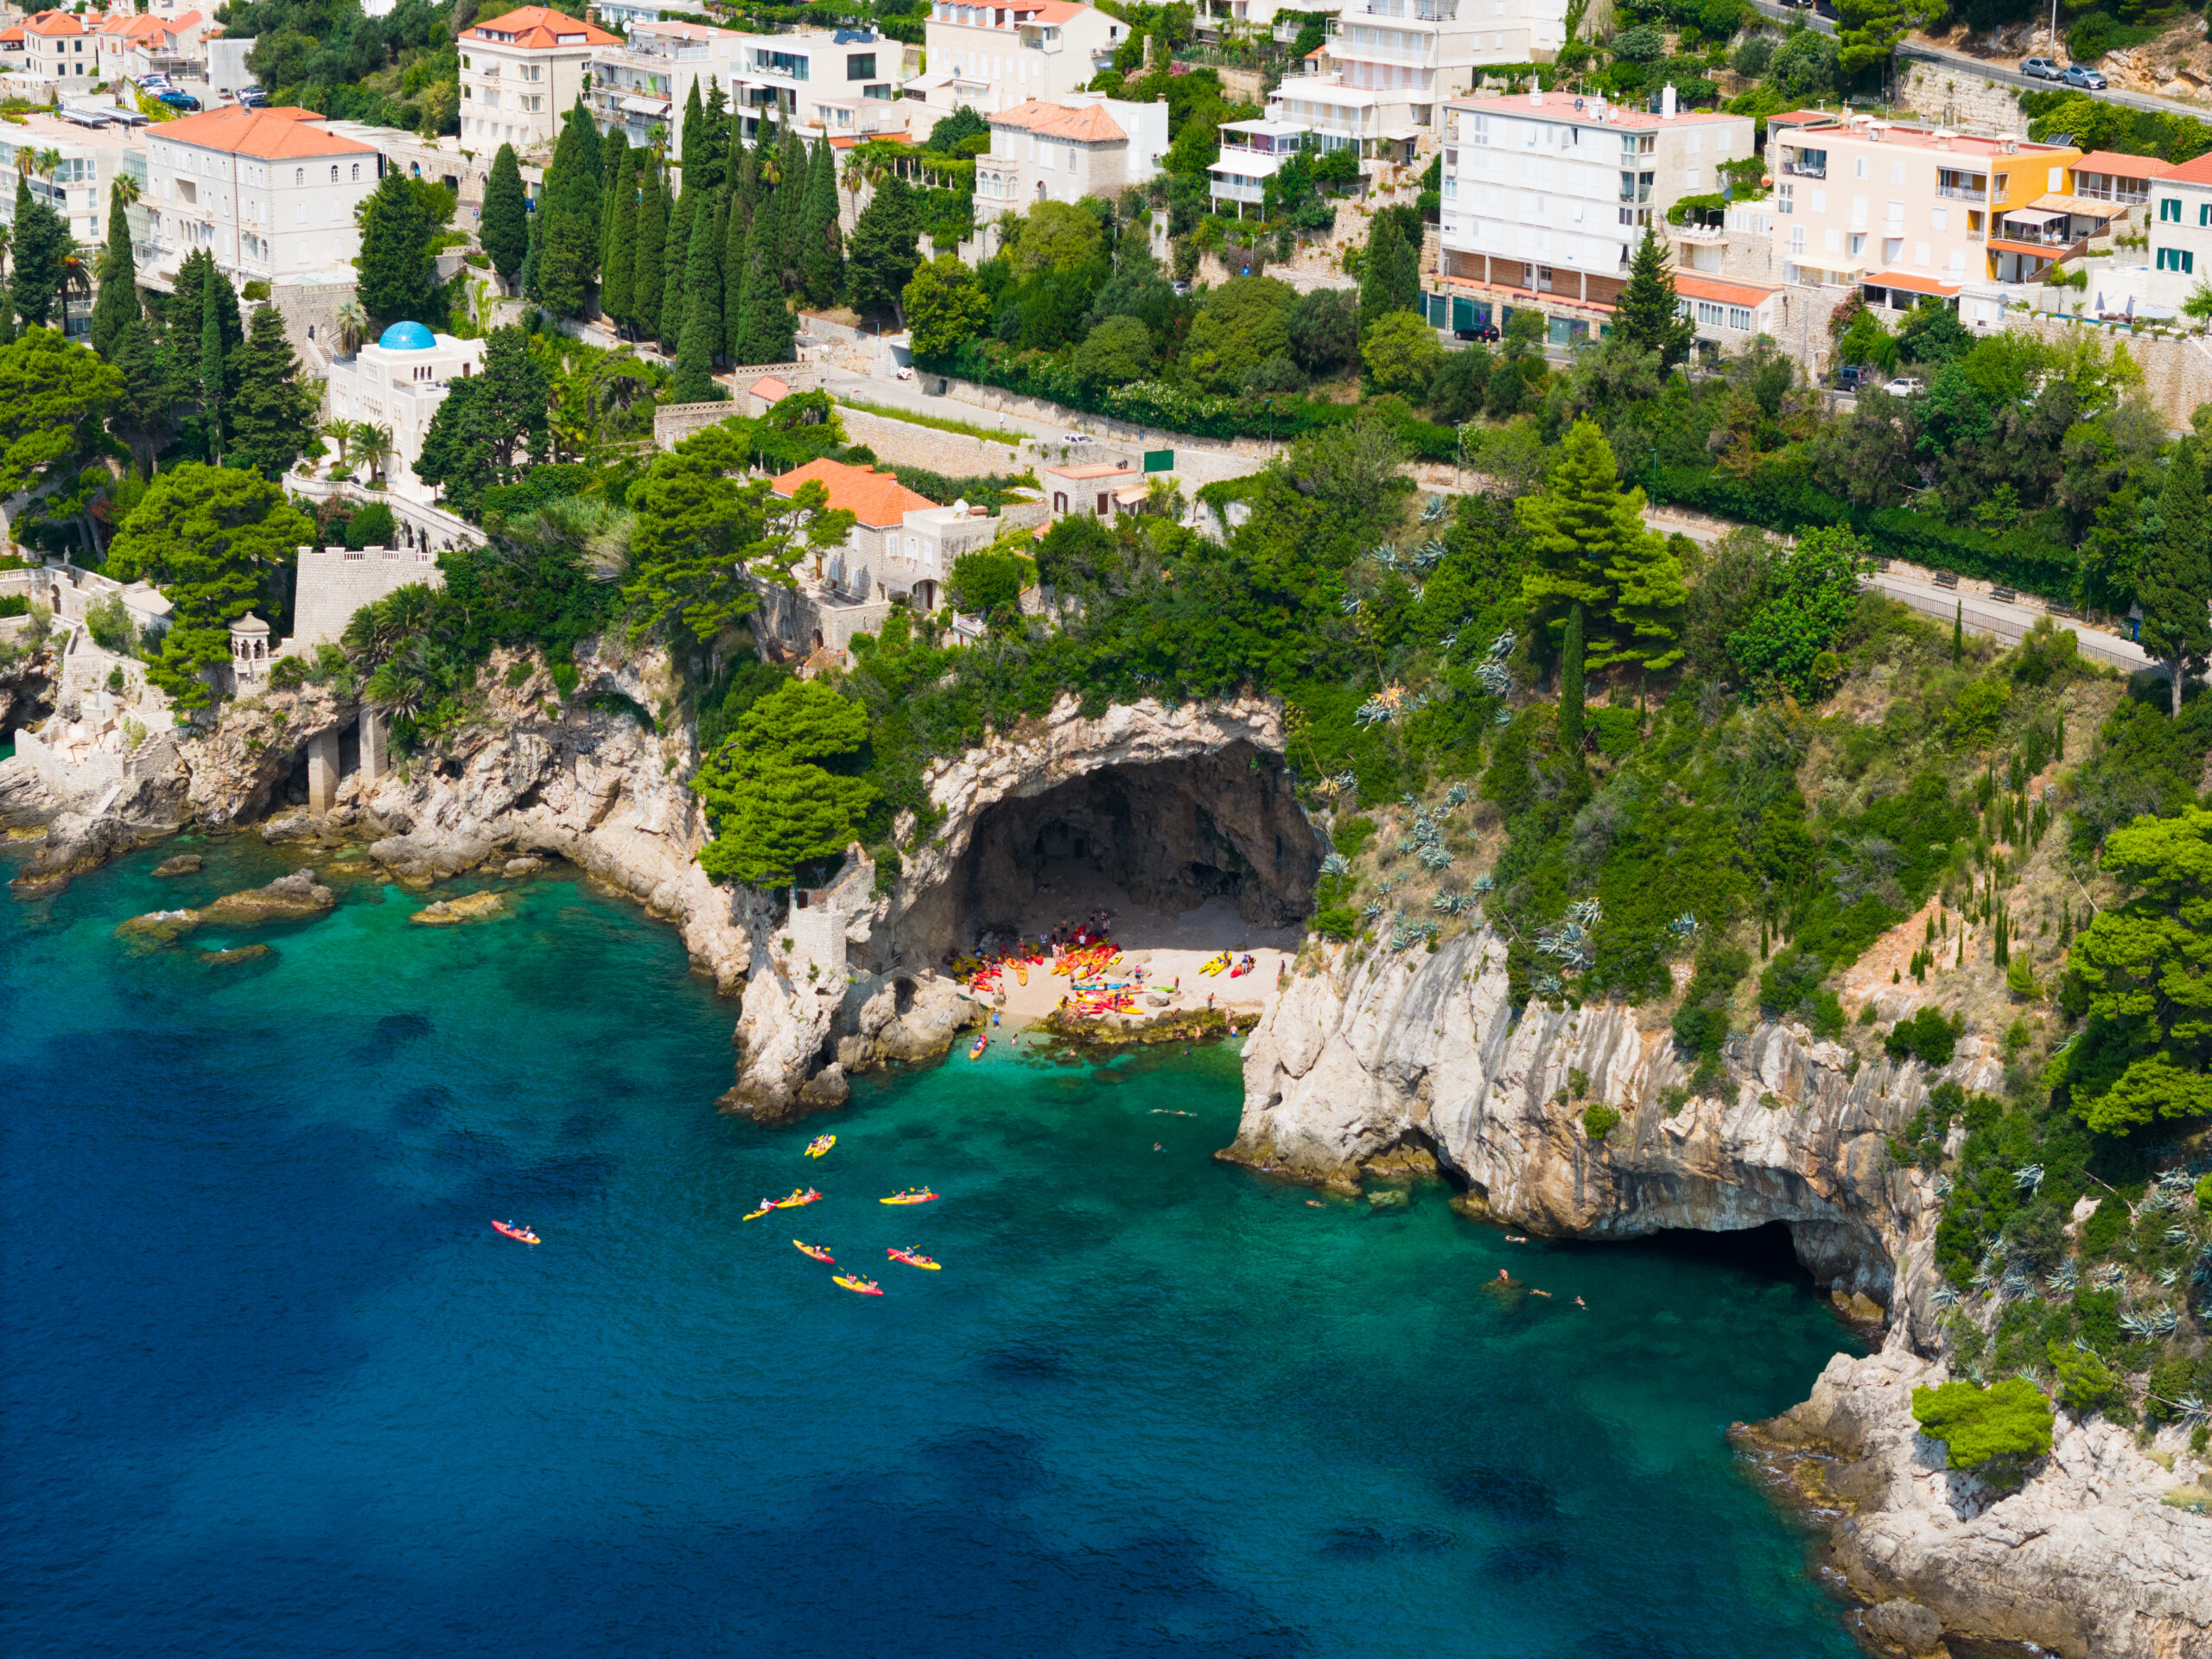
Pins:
<point x="1247" y="166"/>
<point x="2087" y="208"/>
<point x="1402" y="135"/>
<point x="2031" y="216"/>
<point x="657" y="106"/>
<point x="2032" y="249"/>
<point x="1912" y="283"/>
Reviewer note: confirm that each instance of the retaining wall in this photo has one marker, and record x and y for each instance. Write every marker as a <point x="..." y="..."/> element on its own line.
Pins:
<point x="336" y="582"/>
<point x="673" y="422"/>
<point x="1953" y="96"/>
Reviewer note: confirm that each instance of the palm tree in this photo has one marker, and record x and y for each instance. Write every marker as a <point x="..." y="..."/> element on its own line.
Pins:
<point x="352" y="323"/>
<point x="76" y="278"/>
<point x="127" y="187"/>
<point x="47" y="162"/>
<point x="376" y="448"/>
<point x="342" y="440"/>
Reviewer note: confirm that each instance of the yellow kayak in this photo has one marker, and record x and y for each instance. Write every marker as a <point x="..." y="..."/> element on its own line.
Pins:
<point x="756" y="1215"/>
<point x="912" y="1195"/>
<point x="820" y="1144"/>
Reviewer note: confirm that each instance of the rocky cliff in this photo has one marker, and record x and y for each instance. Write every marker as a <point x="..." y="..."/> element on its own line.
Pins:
<point x="1372" y="1061"/>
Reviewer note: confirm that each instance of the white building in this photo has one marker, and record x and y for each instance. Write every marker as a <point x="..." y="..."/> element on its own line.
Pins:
<point x="398" y="383"/>
<point x="1087" y="146"/>
<point x="1729" y="313"/>
<point x="134" y="46"/>
<point x="1252" y="152"/>
<point x="1546" y="197"/>
<point x="992" y="57"/>
<point x="1341" y="116"/>
<point x="57" y="46"/>
<point x="93" y="157"/>
<point x="1413" y="56"/>
<point x="520" y="73"/>
<point x="2177" y="215"/>
<point x="270" y="193"/>
<point x="831" y="83"/>
<point x="625" y="15"/>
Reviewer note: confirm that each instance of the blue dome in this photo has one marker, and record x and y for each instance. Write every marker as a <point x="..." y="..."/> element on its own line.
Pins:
<point x="407" y="337"/>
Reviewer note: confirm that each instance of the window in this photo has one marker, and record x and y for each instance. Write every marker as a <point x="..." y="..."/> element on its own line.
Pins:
<point x="333" y="175"/>
<point x="1859" y="167"/>
<point x="1798" y="238"/>
<point x="1896" y="171"/>
<point x="2177" y="259"/>
<point x="1920" y="255"/>
<point x="2058" y="178"/>
<point x="1689" y="179"/>
<point x="1832" y="241"/>
<point x="1697" y="141"/>
<point x="2169" y="210"/>
<point x="357" y="172"/>
<point x="1939" y="220"/>
<point x="1739" y="318"/>
<point x="1857" y="244"/>
<point x="2204" y="212"/>
<point x="1819" y="202"/>
<point x="860" y="65"/>
<point x="1709" y="313"/>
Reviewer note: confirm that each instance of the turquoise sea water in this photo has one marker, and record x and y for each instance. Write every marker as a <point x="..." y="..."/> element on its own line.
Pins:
<point x="272" y="1386"/>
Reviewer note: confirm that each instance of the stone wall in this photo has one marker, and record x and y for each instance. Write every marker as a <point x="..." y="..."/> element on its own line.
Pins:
<point x="1198" y="460"/>
<point x="2176" y="370"/>
<point x="956" y="455"/>
<point x="336" y="582"/>
<point x="1951" y="96"/>
<point x="314" y="306"/>
<point x="673" y="422"/>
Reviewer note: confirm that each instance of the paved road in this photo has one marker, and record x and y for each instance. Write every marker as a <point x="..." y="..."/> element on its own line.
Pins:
<point x="1783" y="14"/>
<point x="2006" y="75"/>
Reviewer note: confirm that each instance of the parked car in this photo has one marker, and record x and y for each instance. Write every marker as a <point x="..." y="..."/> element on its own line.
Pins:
<point x="1852" y="376"/>
<point x="1904" y="386"/>
<point x="1077" y="437"/>
<point x="2080" y="74"/>
<point x="2042" y="69"/>
<point x="253" y="97"/>
<point x="184" y="101"/>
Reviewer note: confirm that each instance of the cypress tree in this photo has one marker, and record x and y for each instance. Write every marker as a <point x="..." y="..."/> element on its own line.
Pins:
<point x="1377" y="271"/>
<point x="211" y="358"/>
<point x="1958" y="634"/>
<point x="117" y="303"/>
<point x="736" y="253"/>
<point x="821" y="254"/>
<point x="702" y="339"/>
<point x="505" y="228"/>
<point x="1570" y="685"/>
<point x="397" y="267"/>
<point x="791" y="200"/>
<point x="2174" y="580"/>
<point x="693" y="151"/>
<point x="652" y="234"/>
<point x="618" y="261"/>
<point x="674" y="260"/>
<point x="614" y="150"/>
<point x="714" y="132"/>
<point x="526" y="279"/>
<point x="768" y="326"/>
<point x="7" y="311"/>
<point x="568" y="248"/>
<point x="270" y="417"/>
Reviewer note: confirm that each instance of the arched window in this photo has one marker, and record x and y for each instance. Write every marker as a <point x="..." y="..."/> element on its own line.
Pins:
<point x="333" y="175"/>
<point x="299" y="175"/>
<point x="357" y="172"/>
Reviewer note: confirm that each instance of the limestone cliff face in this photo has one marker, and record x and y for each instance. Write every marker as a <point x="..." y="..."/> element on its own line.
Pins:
<point x="1367" y="1059"/>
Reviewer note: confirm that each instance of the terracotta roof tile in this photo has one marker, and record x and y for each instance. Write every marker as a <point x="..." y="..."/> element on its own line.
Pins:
<point x="280" y="133"/>
<point x="875" y="499"/>
<point x="1087" y="124"/>
<point x="2197" y="172"/>
<point x="538" y="27"/>
<point x="52" y="22"/>
<point x="1693" y="286"/>
<point x="2122" y="167"/>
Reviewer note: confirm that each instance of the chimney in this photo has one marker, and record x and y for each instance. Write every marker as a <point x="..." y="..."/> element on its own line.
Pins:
<point x="1537" y="97"/>
<point x="1667" y="102"/>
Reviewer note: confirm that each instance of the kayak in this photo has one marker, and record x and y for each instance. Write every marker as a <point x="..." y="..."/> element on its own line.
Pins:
<point x="914" y="1260"/>
<point x="1022" y="972"/>
<point x="756" y="1215"/>
<point x="820" y="1144"/>
<point x="912" y="1195"/>
<point x="513" y="1231"/>
<point x="796" y="1199"/>
<point x="814" y="1250"/>
<point x="865" y="1287"/>
<point x="981" y="1043"/>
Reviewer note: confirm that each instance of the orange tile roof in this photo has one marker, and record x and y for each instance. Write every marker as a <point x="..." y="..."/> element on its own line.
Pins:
<point x="2197" y="172"/>
<point x="11" y="34"/>
<point x="538" y="27"/>
<point x="874" y="498"/>
<point x="53" y="23"/>
<point x="1088" y="123"/>
<point x="769" y="387"/>
<point x="280" y="133"/>
<point x="1913" y="284"/>
<point x="1692" y="285"/>
<point x="1086" y="471"/>
<point x="2122" y="167"/>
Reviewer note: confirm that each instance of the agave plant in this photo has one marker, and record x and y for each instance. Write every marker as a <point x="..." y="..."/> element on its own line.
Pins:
<point x="1942" y="1187"/>
<point x="1482" y="884"/>
<point x="1428" y="555"/>
<point x="1344" y="780"/>
<point x="1336" y="864"/>
<point x="1588" y="911"/>
<point x="2065" y="1279"/>
<point x="1351" y="604"/>
<point x="1501" y="647"/>
<point x="1371" y="910"/>
<point x="1684" y="927"/>
<point x="2192" y="1410"/>
<point x="2176" y="1235"/>
<point x="2176" y="1181"/>
<point x="1432" y="509"/>
<point x="2016" y="1284"/>
<point x="1449" y="640"/>
<point x="1435" y="858"/>
<point x="2169" y="1277"/>
<point x="2028" y="1178"/>
<point x="2110" y="1277"/>
<point x="1456" y="796"/>
<point x="1494" y="677"/>
<point x="1549" y="986"/>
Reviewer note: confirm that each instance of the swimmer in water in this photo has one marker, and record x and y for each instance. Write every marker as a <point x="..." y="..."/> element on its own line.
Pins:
<point x="1579" y="1302"/>
<point x="1501" y="1276"/>
<point x="1546" y="1295"/>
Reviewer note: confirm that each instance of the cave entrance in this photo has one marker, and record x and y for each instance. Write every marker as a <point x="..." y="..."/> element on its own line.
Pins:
<point x="1210" y="852"/>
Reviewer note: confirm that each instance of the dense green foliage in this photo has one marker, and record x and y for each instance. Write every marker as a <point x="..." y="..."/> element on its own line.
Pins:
<point x="2008" y="1423"/>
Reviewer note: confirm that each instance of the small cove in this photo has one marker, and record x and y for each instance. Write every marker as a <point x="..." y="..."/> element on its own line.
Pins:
<point x="273" y="1387"/>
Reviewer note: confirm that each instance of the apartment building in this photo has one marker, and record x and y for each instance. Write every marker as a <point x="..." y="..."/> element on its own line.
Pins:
<point x="397" y="382"/>
<point x="1546" y="197"/>
<point x="520" y="73"/>
<point x="1902" y="210"/>
<point x="57" y="46"/>
<point x="2176" y="212"/>
<point x="992" y="57"/>
<point x="833" y="83"/>
<point x="132" y="46"/>
<point x="1087" y="146"/>
<point x="270" y="193"/>
<point x="1252" y="152"/>
<point x="72" y="166"/>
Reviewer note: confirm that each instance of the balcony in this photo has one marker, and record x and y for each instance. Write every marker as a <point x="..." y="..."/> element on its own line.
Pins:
<point x="1796" y="170"/>
<point x="1420" y="11"/>
<point x="1962" y="192"/>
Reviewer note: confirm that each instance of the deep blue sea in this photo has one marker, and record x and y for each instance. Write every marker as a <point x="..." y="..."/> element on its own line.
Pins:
<point x="274" y="1387"/>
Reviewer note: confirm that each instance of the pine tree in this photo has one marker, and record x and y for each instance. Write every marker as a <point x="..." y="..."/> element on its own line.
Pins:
<point x="568" y="250"/>
<point x="117" y="303"/>
<point x="211" y="356"/>
<point x="1582" y="530"/>
<point x="614" y="150"/>
<point x="1650" y="597"/>
<point x="1649" y="316"/>
<point x="142" y="414"/>
<point x="1570" y="684"/>
<point x="40" y="246"/>
<point x="619" y="260"/>
<point x="2174" y="580"/>
<point x="505" y="227"/>
<point x="821" y="254"/>
<point x="270" y="418"/>
<point x="652" y="234"/>
<point x="674" y="262"/>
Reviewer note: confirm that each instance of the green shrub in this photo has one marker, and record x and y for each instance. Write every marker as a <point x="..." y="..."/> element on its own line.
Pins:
<point x="564" y="679"/>
<point x="1927" y="1036"/>
<point x="2105" y="1227"/>
<point x="519" y="672"/>
<point x="14" y="605"/>
<point x="2086" y="1384"/>
<point x="371" y="526"/>
<point x="1993" y="1431"/>
<point x="1617" y="731"/>
<point x="1599" y="1121"/>
<point x="110" y="624"/>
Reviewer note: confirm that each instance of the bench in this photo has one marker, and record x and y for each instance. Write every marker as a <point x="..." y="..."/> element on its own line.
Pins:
<point x="2005" y="594"/>
<point x="2056" y="609"/>
<point x="1947" y="578"/>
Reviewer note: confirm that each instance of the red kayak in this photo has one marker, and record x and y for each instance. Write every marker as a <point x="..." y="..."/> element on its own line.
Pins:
<point x="513" y="1231"/>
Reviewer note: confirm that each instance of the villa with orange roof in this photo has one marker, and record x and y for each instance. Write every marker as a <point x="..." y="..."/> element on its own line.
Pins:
<point x="134" y="45"/>
<point x="520" y="72"/>
<point x="992" y="57"/>
<point x="1083" y="146"/>
<point x="57" y="46"/>
<point x="270" y="193"/>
